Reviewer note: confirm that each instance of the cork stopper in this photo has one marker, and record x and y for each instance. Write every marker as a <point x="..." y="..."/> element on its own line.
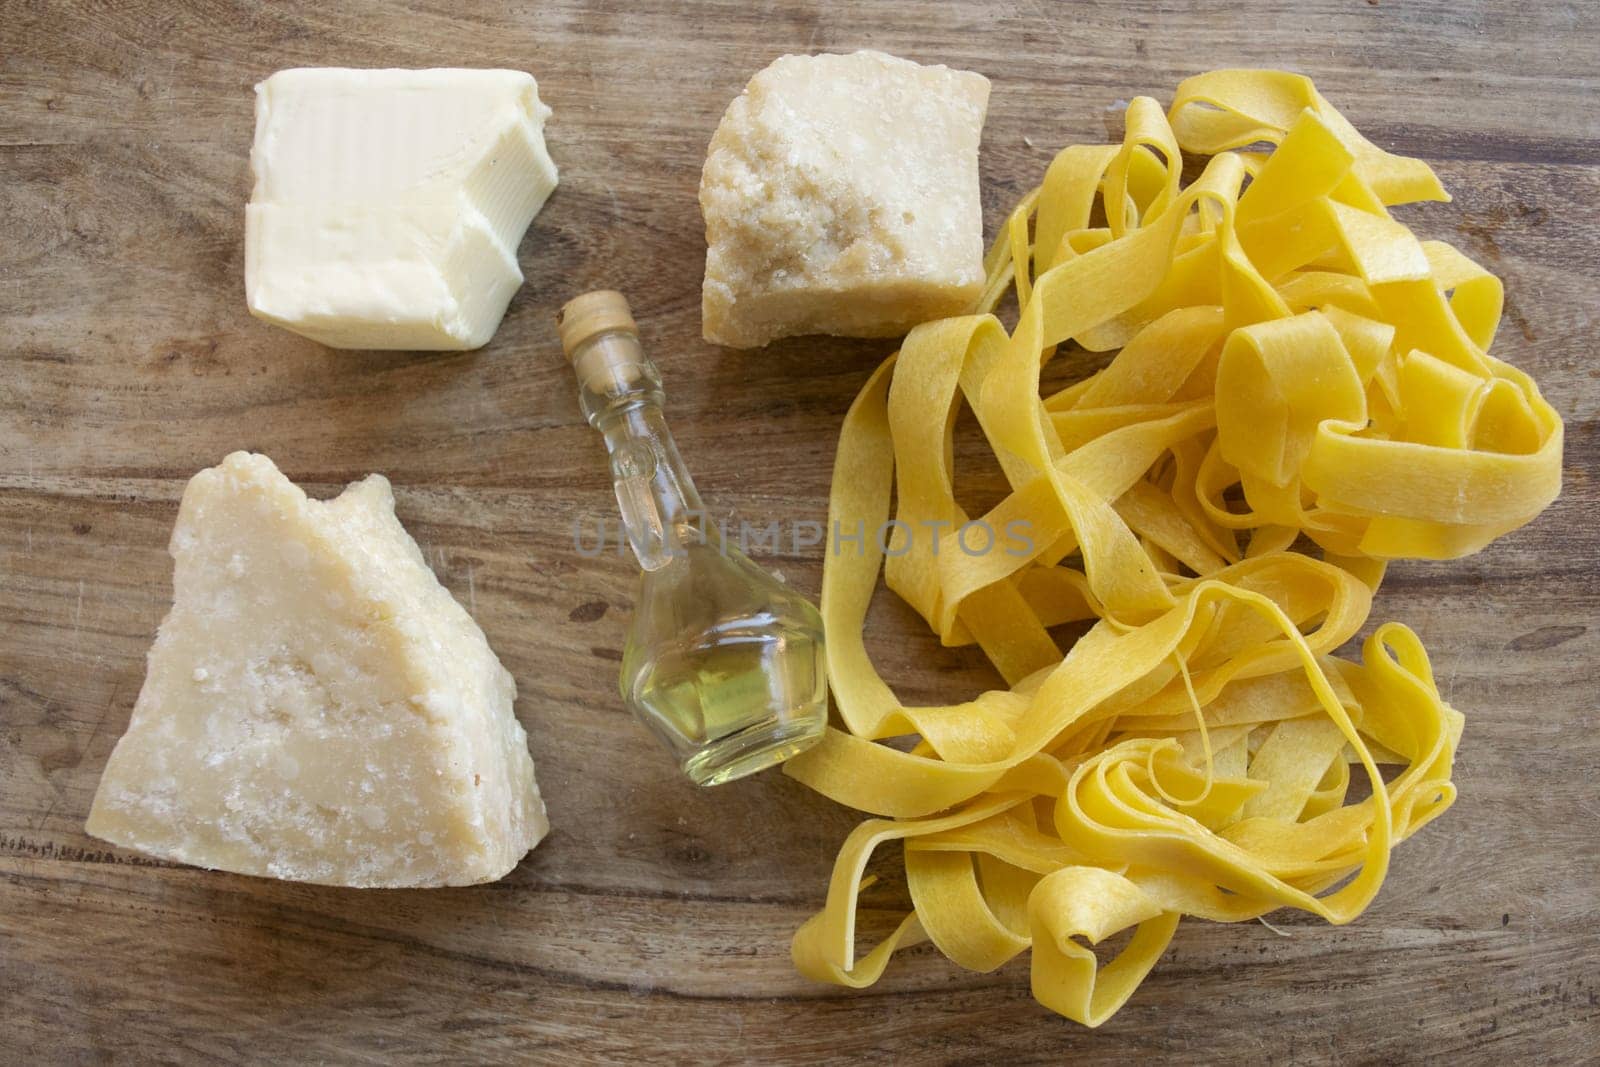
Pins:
<point x="590" y="314"/>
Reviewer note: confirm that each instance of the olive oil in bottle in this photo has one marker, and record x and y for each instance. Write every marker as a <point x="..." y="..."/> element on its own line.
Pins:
<point x="722" y="661"/>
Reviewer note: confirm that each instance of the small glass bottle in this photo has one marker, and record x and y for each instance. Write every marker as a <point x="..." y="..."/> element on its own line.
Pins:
<point x="722" y="661"/>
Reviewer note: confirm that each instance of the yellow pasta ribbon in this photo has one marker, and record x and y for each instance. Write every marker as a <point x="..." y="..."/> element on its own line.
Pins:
<point x="1292" y="367"/>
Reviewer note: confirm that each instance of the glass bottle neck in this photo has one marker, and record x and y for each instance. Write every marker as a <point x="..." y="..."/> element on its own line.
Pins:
<point x="620" y="393"/>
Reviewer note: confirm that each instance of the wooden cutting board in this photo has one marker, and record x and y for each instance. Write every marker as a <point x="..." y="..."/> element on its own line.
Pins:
<point x="654" y="922"/>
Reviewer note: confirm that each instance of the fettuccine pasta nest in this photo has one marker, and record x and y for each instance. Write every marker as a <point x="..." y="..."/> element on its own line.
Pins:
<point x="1292" y="365"/>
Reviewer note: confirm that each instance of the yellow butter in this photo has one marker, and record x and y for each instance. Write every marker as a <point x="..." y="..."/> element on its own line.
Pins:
<point x="1291" y="360"/>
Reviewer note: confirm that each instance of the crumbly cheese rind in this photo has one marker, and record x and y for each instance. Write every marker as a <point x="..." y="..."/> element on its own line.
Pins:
<point x="840" y="195"/>
<point x="388" y="204"/>
<point x="317" y="707"/>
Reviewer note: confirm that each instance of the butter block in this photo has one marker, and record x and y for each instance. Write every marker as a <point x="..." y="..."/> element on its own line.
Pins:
<point x="388" y="204"/>
<point x="317" y="707"/>
<point x="840" y="196"/>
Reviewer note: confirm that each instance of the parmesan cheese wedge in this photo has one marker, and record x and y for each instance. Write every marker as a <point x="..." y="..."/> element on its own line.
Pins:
<point x="317" y="707"/>
<point x="840" y="196"/>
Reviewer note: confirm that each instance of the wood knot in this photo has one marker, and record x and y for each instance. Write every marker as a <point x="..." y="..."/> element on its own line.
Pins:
<point x="592" y="611"/>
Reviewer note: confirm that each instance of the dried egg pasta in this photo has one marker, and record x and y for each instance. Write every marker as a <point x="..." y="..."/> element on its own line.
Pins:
<point x="1290" y="360"/>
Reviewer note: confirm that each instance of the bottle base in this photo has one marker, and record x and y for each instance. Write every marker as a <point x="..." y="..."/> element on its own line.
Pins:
<point x="753" y="749"/>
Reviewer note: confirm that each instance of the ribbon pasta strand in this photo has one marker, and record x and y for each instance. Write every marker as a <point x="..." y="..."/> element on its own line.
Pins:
<point x="1292" y="365"/>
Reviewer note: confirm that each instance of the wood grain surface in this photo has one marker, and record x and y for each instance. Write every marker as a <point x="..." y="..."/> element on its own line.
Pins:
<point x="654" y="922"/>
